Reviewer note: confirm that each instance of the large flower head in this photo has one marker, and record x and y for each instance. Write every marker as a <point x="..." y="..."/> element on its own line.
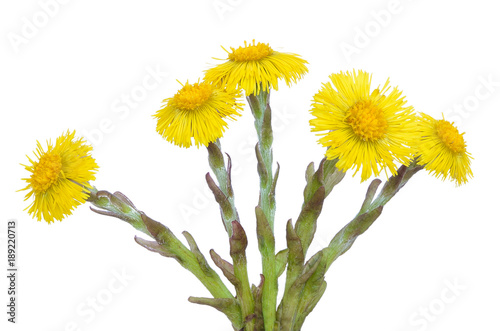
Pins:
<point x="60" y="176"/>
<point x="442" y="150"/>
<point x="363" y="128"/>
<point x="197" y="112"/>
<point x="257" y="67"/>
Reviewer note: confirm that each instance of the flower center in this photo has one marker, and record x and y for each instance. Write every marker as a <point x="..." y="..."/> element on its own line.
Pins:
<point x="250" y="52"/>
<point x="46" y="172"/>
<point x="450" y="137"/>
<point x="192" y="96"/>
<point x="367" y="120"/>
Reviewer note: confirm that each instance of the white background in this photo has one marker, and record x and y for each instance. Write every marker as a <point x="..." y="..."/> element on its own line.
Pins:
<point x="72" y="71"/>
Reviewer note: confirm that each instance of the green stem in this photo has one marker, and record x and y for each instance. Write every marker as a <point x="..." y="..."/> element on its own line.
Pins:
<point x="261" y="110"/>
<point x="238" y="244"/>
<point x="345" y="238"/>
<point x="319" y="185"/>
<point x="262" y="113"/>
<point x="223" y="175"/>
<point x="117" y="205"/>
<point x="167" y="244"/>
<point x="193" y="260"/>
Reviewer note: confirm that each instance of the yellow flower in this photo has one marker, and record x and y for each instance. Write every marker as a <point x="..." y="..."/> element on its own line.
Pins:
<point x="442" y="150"/>
<point x="59" y="177"/>
<point x="364" y="129"/>
<point x="255" y="67"/>
<point x="197" y="111"/>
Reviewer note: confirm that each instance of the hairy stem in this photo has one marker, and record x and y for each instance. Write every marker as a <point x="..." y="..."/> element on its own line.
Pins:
<point x="267" y="205"/>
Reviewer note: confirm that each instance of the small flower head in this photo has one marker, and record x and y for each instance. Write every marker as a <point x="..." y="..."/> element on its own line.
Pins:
<point x="256" y="67"/>
<point x="442" y="150"/>
<point x="197" y="111"/>
<point x="363" y="128"/>
<point x="60" y="176"/>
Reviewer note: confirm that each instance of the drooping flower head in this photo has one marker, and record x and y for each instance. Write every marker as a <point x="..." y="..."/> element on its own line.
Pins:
<point x="60" y="176"/>
<point x="442" y="150"/>
<point x="363" y="128"/>
<point x="197" y="111"/>
<point x="257" y="67"/>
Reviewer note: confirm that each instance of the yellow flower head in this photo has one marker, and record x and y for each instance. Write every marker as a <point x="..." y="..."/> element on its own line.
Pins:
<point x="255" y="67"/>
<point x="197" y="111"/>
<point x="59" y="178"/>
<point x="363" y="128"/>
<point x="442" y="150"/>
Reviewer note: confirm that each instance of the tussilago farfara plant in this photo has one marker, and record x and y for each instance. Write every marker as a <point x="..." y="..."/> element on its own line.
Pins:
<point x="367" y="129"/>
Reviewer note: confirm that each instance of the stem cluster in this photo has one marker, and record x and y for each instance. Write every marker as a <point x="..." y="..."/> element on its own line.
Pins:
<point x="255" y="307"/>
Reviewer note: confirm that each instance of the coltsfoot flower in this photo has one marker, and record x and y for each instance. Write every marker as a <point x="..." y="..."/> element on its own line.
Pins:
<point x="363" y="128"/>
<point x="60" y="176"/>
<point x="255" y="67"/>
<point x="442" y="150"/>
<point x="197" y="111"/>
